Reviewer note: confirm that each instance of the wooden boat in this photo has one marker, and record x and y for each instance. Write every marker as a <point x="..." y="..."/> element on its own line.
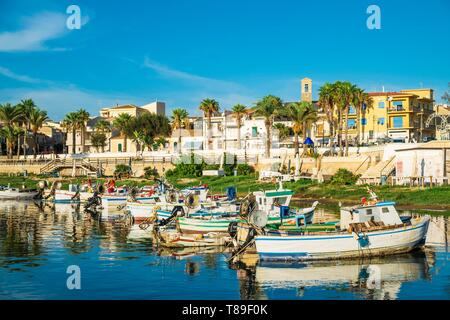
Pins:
<point x="18" y="194"/>
<point x="174" y="239"/>
<point x="273" y="203"/>
<point x="365" y="230"/>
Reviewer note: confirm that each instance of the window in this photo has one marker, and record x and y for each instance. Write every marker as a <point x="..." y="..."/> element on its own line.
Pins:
<point x="119" y="147"/>
<point x="254" y="131"/>
<point x="398" y="105"/>
<point x="351" y="110"/>
<point x="385" y="210"/>
<point x="306" y="88"/>
<point x="351" y="123"/>
<point x="369" y="212"/>
<point x="397" y="122"/>
<point x="363" y="121"/>
<point x="381" y="121"/>
<point x="370" y="134"/>
<point x="381" y="104"/>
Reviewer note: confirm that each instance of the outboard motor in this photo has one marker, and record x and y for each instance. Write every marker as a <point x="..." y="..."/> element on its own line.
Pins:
<point x="173" y="215"/>
<point x="93" y="203"/>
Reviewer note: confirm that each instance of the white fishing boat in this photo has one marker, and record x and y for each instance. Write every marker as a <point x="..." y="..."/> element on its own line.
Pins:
<point x="18" y="193"/>
<point x="370" y="229"/>
<point x="274" y="203"/>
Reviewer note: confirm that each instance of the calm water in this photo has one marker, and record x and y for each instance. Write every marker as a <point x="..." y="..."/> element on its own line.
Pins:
<point x="119" y="262"/>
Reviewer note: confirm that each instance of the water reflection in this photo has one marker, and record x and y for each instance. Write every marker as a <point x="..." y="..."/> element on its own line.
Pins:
<point x="36" y="240"/>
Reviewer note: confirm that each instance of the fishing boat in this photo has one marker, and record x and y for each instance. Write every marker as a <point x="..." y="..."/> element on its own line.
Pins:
<point x="8" y="193"/>
<point x="372" y="228"/>
<point x="170" y="238"/>
<point x="274" y="203"/>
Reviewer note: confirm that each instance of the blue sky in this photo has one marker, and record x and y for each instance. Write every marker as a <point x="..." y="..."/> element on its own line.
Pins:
<point x="235" y="51"/>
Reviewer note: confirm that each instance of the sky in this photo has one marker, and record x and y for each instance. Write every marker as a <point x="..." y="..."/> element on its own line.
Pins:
<point x="235" y="51"/>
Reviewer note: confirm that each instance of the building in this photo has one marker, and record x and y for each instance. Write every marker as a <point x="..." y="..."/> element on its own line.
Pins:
<point x="115" y="141"/>
<point x="400" y="116"/>
<point x="156" y="107"/>
<point x="425" y="163"/>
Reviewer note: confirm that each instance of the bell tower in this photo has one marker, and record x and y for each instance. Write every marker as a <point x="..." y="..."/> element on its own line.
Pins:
<point x="306" y="89"/>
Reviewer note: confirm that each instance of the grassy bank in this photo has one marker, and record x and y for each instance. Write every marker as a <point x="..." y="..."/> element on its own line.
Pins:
<point x="432" y="198"/>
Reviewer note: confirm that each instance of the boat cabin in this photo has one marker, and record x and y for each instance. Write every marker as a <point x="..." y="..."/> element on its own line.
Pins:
<point x="201" y="192"/>
<point x="384" y="212"/>
<point x="272" y="200"/>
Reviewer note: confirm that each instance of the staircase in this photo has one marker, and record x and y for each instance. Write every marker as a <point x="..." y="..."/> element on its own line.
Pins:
<point x="59" y="164"/>
<point x="373" y="174"/>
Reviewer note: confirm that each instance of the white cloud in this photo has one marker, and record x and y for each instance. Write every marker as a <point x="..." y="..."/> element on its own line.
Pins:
<point x="35" y="32"/>
<point x="22" y="78"/>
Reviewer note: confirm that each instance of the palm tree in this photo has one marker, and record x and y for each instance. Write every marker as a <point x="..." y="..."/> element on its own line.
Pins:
<point x="283" y="131"/>
<point x="83" y="118"/>
<point x="239" y="111"/>
<point x="101" y="127"/>
<point x="10" y="133"/>
<point x="268" y="107"/>
<point x="98" y="140"/>
<point x="71" y="122"/>
<point x="366" y="105"/>
<point x="9" y="115"/>
<point x="179" y="120"/>
<point x="302" y="114"/>
<point x="209" y="107"/>
<point x="36" y="119"/>
<point x="25" y="107"/>
<point x="328" y="104"/>
<point x="343" y="97"/>
<point x="122" y="123"/>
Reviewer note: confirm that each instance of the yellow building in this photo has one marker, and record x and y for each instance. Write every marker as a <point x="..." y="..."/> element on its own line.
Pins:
<point x="400" y="116"/>
<point x="154" y="107"/>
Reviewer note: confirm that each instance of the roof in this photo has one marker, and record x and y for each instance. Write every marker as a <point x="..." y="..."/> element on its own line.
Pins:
<point x="390" y="94"/>
<point x="123" y="106"/>
<point x="436" y="144"/>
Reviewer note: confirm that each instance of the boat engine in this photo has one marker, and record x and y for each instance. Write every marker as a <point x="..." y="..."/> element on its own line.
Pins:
<point x="173" y="215"/>
<point x="93" y="204"/>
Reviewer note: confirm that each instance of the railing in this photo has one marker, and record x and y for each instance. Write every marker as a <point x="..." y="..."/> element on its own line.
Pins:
<point x="362" y="163"/>
<point x="387" y="164"/>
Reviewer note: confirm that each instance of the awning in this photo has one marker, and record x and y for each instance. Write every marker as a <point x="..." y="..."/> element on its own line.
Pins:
<point x="193" y="145"/>
<point x="308" y="141"/>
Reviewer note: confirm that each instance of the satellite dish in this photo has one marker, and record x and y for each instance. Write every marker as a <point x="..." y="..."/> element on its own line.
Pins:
<point x="258" y="218"/>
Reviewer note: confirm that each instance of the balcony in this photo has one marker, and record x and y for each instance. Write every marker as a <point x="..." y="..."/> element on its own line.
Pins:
<point x="397" y="109"/>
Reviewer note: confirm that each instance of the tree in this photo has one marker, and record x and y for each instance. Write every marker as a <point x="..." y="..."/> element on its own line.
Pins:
<point x="268" y="107"/>
<point x="122" y="123"/>
<point x="328" y="104"/>
<point x="10" y="133"/>
<point x="283" y="131"/>
<point x="98" y="140"/>
<point x="302" y="114"/>
<point x="361" y="102"/>
<point x="71" y="123"/>
<point x="239" y="111"/>
<point x="36" y="119"/>
<point x="8" y="115"/>
<point x="343" y="97"/>
<point x="209" y="107"/>
<point x="25" y="108"/>
<point x="180" y="120"/>
<point x="83" y="118"/>
<point x="103" y="126"/>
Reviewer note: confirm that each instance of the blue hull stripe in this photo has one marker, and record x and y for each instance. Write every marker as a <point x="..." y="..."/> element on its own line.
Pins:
<point x="310" y="238"/>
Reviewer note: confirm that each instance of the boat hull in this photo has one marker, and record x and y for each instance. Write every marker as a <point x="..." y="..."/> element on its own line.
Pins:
<point x="340" y="246"/>
<point x="16" y="195"/>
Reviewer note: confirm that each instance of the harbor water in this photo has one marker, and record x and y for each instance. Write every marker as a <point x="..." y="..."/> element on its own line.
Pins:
<point x="39" y="246"/>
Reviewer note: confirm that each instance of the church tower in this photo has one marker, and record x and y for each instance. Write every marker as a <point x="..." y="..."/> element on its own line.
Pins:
<point x="306" y="90"/>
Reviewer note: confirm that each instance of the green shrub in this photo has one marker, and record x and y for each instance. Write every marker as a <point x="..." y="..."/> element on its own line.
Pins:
<point x="345" y="177"/>
<point x="245" y="169"/>
<point x="150" y="172"/>
<point x="122" y="168"/>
